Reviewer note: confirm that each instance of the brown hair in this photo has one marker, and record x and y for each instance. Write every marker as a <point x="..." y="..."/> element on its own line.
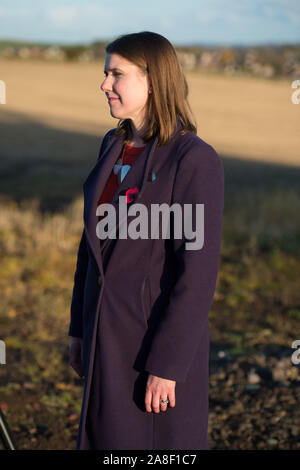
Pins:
<point x="155" y="55"/>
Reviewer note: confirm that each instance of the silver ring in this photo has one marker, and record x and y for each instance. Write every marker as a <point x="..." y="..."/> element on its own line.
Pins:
<point x="165" y="401"/>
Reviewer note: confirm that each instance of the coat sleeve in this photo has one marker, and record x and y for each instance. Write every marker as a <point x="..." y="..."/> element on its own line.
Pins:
<point x="199" y="180"/>
<point x="76" y="327"/>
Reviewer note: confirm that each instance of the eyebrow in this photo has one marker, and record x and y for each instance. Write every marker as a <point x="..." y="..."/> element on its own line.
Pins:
<point x="112" y="70"/>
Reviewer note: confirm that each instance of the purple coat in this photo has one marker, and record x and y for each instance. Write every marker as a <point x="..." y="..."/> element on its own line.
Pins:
<point x="141" y="306"/>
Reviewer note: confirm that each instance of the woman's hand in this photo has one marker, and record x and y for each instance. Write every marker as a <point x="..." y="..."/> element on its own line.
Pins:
<point x="75" y="355"/>
<point x="158" y="388"/>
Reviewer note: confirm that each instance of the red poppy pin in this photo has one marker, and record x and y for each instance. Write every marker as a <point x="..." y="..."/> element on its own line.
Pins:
<point x="131" y="194"/>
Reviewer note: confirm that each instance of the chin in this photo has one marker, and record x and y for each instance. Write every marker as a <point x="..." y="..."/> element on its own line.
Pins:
<point x="116" y="115"/>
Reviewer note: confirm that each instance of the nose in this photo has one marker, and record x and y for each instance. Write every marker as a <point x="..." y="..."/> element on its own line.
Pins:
<point x="105" y="85"/>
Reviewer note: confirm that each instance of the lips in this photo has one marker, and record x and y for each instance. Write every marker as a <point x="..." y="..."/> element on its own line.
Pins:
<point x="112" y="99"/>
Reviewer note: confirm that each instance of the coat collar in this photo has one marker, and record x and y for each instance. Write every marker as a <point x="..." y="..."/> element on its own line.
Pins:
<point x="96" y="180"/>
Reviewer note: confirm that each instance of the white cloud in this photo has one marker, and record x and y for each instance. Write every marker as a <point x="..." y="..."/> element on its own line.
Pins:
<point x="63" y="15"/>
<point x="89" y="14"/>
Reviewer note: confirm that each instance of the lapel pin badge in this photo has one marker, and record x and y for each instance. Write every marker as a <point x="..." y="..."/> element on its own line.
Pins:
<point x="151" y="176"/>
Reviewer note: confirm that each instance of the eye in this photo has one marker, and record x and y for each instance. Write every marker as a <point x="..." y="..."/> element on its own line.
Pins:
<point x="115" y="73"/>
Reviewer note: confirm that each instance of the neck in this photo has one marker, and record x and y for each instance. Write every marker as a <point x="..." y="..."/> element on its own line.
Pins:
<point x="137" y="132"/>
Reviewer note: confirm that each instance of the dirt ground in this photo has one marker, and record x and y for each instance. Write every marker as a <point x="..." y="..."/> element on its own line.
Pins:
<point x="254" y="404"/>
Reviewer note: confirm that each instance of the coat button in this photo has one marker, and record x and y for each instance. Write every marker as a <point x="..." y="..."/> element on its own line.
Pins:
<point x="99" y="280"/>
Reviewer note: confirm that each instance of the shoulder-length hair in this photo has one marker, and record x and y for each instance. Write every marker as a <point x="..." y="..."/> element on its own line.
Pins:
<point x="155" y="55"/>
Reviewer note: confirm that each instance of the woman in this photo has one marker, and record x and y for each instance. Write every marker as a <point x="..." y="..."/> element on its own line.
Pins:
<point x="140" y="305"/>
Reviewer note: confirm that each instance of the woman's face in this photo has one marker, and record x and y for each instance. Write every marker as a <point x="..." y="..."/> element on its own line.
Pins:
<point x="125" y="82"/>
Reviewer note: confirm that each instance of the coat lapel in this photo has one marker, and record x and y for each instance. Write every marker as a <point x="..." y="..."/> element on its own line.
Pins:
<point x="95" y="183"/>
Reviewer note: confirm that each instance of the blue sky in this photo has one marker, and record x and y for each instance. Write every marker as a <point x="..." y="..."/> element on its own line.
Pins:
<point x="208" y="22"/>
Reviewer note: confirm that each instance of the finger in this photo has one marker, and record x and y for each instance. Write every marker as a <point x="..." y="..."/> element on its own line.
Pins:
<point x="148" y="399"/>
<point x="163" y="406"/>
<point x="172" y="398"/>
<point x="156" y="402"/>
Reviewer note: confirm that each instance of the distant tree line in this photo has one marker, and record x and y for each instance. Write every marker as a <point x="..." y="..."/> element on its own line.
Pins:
<point x="264" y="61"/>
